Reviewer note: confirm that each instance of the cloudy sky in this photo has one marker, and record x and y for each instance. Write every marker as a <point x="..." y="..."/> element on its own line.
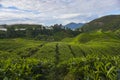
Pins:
<point x="49" y="12"/>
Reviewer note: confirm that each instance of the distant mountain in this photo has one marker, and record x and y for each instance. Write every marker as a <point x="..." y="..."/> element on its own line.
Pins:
<point x="74" y="25"/>
<point x="106" y="23"/>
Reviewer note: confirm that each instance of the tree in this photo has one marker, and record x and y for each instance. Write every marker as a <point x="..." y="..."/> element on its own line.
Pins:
<point x="29" y="32"/>
<point x="57" y="27"/>
<point x="11" y="33"/>
<point x="2" y="34"/>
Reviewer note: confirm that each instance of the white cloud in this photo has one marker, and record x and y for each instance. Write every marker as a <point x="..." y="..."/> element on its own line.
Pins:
<point x="67" y="16"/>
<point x="55" y="11"/>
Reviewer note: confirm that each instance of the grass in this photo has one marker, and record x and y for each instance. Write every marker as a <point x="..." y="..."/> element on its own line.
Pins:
<point x="92" y="55"/>
<point x="87" y="43"/>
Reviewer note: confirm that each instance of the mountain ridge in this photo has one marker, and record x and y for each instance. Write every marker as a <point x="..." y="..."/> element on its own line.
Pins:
<point x="105" y="23"/>
<point x="73" y="25"/>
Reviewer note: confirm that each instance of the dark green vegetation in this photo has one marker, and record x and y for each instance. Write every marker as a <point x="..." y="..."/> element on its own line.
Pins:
<point x="111" y="23"/>
<point x="38" y="32"/>
<point x="88" y="56"/>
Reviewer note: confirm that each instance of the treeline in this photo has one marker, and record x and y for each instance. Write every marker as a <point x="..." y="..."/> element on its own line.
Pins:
<point x="39" y="32"/>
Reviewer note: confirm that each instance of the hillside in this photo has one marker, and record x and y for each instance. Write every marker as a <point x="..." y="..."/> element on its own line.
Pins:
<point x="83" y="44"/>
<point x="106" y="23"/>
<point x="98" y="36"/>
<point x="74" y="25"/>
<point x="91" y="55"/>
<point x="46" y="60"/>
<point x="26" y="59"/>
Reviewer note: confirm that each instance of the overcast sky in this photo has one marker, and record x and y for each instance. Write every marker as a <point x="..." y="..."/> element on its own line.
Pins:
<point x="49" y="12"/>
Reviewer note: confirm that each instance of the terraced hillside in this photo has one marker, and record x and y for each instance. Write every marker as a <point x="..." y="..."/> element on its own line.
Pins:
<point x="23" y="59"/>
<point x="86" y="43"/>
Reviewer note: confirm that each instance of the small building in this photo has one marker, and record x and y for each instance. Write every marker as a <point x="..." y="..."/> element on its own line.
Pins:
<point x="3" y="29"/>
<point x="20" y="29"/>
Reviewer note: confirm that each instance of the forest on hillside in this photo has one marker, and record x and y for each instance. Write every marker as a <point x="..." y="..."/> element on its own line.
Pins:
<point x="38" y="32"/>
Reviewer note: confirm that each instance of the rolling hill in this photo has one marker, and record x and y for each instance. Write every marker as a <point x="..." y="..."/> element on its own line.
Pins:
<point x="106" y="23"/>
<point x="83" y="44"/>
<point x="39" y="60"/>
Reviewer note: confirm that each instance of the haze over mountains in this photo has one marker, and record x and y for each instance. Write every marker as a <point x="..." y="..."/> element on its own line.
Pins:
<point x="73" y="25"/>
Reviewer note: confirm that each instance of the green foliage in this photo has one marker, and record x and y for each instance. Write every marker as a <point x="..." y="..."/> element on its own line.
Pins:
<point x="23" y="69"/>
<point x="2" y="34"/>
<point x="92" y="67"/>
<point x="106" y="23"/>
<point x="44" y="38"/>
<point x="89" y="56"/>
<point x="94" y="36"/>
<point x="38" y="32"/>
<point x="11" y="33"/>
